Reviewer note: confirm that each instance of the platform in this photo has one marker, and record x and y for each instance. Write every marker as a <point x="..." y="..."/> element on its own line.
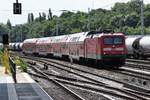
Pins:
<point x="24" y="89"/>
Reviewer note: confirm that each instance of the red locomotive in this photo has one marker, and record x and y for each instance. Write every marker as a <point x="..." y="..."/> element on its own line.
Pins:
<point x="92" y="46"/>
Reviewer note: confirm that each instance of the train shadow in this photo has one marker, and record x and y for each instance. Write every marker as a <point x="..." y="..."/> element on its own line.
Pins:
<point x="88" y="63"/>
<point x="99" y="65"/>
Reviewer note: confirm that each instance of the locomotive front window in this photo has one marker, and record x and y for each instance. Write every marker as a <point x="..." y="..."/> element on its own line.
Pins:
<point x="118" y="40"/>
<point x="108" y="41"/>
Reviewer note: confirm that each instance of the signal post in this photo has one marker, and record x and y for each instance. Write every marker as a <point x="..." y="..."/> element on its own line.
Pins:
<point x="5" y="55"/>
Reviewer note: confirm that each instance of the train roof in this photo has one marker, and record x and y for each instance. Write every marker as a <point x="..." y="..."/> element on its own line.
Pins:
<point x="76" y="37"/>
<point x="43" y="40"/>
<point x="69" y="38"/>
<point x="56" y="39"/>
<point x="34" y="40"/>
<point x="98" y="34"/>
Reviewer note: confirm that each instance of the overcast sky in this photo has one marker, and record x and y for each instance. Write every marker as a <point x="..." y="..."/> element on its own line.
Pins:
<point x="36" y="6"/>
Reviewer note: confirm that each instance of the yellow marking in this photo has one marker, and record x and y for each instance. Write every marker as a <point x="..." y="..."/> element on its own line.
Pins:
<point x="5" y="60"/>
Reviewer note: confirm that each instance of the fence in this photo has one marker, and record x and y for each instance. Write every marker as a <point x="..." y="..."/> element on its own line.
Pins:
<point x="12" y="69"/>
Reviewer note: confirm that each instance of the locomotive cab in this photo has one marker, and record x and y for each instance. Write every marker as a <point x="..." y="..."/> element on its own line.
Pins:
<point x="113" y="48"/>
<point x="106" y="48"/>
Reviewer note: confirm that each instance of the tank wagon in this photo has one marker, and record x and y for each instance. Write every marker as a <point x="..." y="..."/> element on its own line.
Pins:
<point x="15" y="46"/>
<point x="1" y="46"/>
<point x="20" y="46"/>
<point x="10" y="46"/>
<point x="138" y="47"/>
<point x="98" y="47"/>
<point x="130" y="40"/>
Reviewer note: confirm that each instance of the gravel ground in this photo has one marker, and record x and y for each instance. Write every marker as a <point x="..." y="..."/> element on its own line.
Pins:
<point x="68" y="74"/>
<point x="53" y="90"/>
<point x="89" y="95"/>
<point x="110" y="73"/>
<point x="58" y="94"/>
<point x="98" y="71"/>
<point x="56" y="71"/>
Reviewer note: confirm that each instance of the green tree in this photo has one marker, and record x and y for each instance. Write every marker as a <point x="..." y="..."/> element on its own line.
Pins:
<point x="43" y="16"/>
<point x="118" y="21"/>
<point x="29" y="18"/>
<point x="9" y="24"/>
<point x="32" y="17"/>
<point x="121" y="8"/>
<point x="40" y="17"/>
<point x="147" y="19"/>
<point x="132" y="20"/>
<point x="124" y="17"/>
<point x="134" y="6"/>
<point x="50" y="15"/>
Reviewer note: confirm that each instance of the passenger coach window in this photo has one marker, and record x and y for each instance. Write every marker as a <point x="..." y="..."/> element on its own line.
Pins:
<point x="108" y="41"/>
<point x="118" y="40"/>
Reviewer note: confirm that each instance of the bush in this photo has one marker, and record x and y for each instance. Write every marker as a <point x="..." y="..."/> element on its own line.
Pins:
<point x="1" y="54"/>
<point x="21" y="63"/>
<point x="23" y="66"/>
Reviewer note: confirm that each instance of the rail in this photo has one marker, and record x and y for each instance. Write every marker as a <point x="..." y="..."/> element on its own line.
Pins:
<point x="12" y="69"/>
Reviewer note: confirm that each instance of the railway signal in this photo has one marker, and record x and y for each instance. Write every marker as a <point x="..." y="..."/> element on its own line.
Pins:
<point x="5" y="55"/>
<point x="17" y="8"/>
<point x="5" y="39"/>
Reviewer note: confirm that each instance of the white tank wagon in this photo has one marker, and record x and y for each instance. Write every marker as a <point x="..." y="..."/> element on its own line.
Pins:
<point x="138" y="46"/>
<point x="129" y="44"/>
<point x="20" y="46"/>
<point x="13" y="46"/>
<point x="1" y="46"/>
<point x="17" y="46"/>
<point x="10" y="46"/>
<point x="145" y="46"/>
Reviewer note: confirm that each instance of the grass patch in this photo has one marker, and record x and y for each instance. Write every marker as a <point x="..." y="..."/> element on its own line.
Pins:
<point x="19" y="62"/>
<point x="1" y="54"/>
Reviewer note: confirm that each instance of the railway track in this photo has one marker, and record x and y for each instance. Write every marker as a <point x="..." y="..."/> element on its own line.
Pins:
<point x="79" y="69"/>
<point x="139" y="64"/>
<point x="45" y="76"/>
<point x="72" y="82"/>
<point x="124" y="71"/>
<point x="131" y="92"/>
<point x="92" y="86"/>
<point x="139" y="67"/>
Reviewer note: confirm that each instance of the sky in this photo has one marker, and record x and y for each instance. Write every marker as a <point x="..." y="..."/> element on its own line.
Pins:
<point x="36" y="6"/>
